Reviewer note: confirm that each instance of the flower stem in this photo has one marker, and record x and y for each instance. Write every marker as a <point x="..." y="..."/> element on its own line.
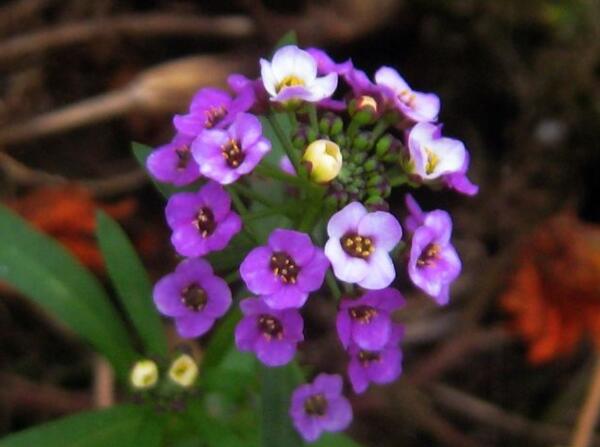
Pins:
<point x="588" y="416"/>
<point x="288" y="147"/>
<point x="312" y="116"/>
<point x="377" y="131"/>
<point x="270" y="171"/>
<point x="232" y="277"/>
<point x="333" y="285"/>
<point x="251" y="194"/>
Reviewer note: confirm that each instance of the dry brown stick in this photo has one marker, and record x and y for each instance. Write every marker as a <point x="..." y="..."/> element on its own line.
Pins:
<point x="588" y="417"/>
<point x="134" y="25"/>
<point x="15" y="12"/>
<point x="104" y="383"/>
<point x="23" y="394"/>
<point x="455" y="351"/>
<point x="482" y="412"/>
<point x="165" y="88"/>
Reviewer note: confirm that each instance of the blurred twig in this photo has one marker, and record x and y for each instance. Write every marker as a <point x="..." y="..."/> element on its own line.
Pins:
<point x="134" y="25"/>
<point x="13" y="14"/>
<point x="104" y="379"/>
<point x="582" y="436"/>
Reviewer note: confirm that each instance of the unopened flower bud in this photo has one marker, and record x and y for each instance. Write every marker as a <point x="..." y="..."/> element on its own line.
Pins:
<point x="370" y="164"/>
<point x="361" y="141"/>
<point x="364" y="109"/>
<point x="183" y="371"/>
<point x="325" y="160"/>
<point x="144" y="374"/>
<point x="337" y="126"/>
<point x="383" y="145"/>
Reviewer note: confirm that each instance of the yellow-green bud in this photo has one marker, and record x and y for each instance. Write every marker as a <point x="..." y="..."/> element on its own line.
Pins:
<point x="144" y="374"/>
<point x="183" y="371"/>
<point x="325" y="160"/>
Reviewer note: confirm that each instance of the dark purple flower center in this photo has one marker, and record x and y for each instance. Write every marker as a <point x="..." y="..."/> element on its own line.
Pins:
<point x="232" y="153"/>
<point x="358" y="246"/>
<point x="367" y="357"/>
<point x="213" y="115"/>
<point x="429" y="255"/>
<point x="184" y="155"/>
<point x="363" y="314"/>
<point x="270" y="327"/>
<point x="194" y="297"/>
<point x="284" y="267"/>
<point x="205" y="222"/>
<point x="316" y="405"/>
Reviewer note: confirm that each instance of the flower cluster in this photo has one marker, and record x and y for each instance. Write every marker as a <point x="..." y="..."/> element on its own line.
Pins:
<point x="339" y="143"/>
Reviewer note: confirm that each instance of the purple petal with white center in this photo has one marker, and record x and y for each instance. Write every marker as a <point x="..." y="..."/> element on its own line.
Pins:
<point x="345" y="267"/>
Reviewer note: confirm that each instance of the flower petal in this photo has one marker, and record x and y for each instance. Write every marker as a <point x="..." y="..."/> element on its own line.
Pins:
<point x="257" y="274"/>
<point x="345" y="267"/>
<point x="383" y="228"/>
<point x="192" y="326"/>
<point x="346" y="220"/>
<point x="294" y="243"/>
<point x="380" y="273"/>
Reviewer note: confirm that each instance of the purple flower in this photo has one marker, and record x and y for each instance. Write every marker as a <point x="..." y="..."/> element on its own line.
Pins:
<point x="378" y="366"/>
<point x="193" y="296"/>
<point x="459" y="181"/>
<point x="225" y="155"/>
<point x="173" y="163"/>
<point x="416" y="106"/>
<point x="211" y="108"/>
<point x="433" y="264"/>
<point x="326" y="65"/>
<point x="201" y="222"/>
<point x="272" y="334"/>
<point x="433" y="156"/>
<point x="320" y="406"/>
<point x="285" y="270"/>
<point x="252" y="89"/>
<point x="367" y="321"/>
<point x="415" y="217"/>
<point x="359" y="243"/>
<point x="292" y="75"/>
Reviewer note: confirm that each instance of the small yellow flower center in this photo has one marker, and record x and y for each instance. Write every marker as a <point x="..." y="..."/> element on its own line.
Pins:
<point x="270" y="327"/>
<point x="284" y="267"/>
<point x="433" y="160"/>
<point x="232" y="153"/>
<point x="184" y="155"/>
<point x="368" y="357"/>
<point x="213" y="115"/>
<point x="194" y="297"/>
<point x="289" y="81"/>
<point x="363" y="314"/>
<point x="407" y="97"/>
<point x="316" y="405"/>
<point x="429" y="255"/>
<point x="358" y="246"/>
<point x="205" y="222"/>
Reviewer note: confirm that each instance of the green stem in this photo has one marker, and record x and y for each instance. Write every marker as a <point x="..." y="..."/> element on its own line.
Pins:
<point x="232" y="277"/>
<point x="353" y="128"/>
<point x="292" y="116"/>
<point x="270" y="171"/>
<point x="288" y="147"/>
<point x="333" y="285"/>
<point x="237" y="202"/>
<point x="377" y="131"/>
<point x="251" y="194"/>
<point x="312" y="116"/>
<point x="398" y="180"/>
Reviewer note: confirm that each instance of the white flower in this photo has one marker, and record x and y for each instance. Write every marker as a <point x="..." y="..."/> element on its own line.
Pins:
<point x="144" y="374"/>
<point x="292" y="75"/>
<point x="183" y="371"/>
<point x="325" y="159"/>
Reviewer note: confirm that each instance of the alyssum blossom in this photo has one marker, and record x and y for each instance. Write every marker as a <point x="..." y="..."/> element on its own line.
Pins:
<point x="320" y="406"/>
<point x="292" y="75"/>
<point x="202" y="222"/>
<point x="433" y="264"/>
<point x="226" y="154"/>
<point x="366" y="321"/>
<point x="173" y="162"/>
<point x="272" y="334"/>
<point x="359" y="243"/>
<point x="379" y="366"/>
<point x="285" y="270"/>
<point x="193" y="296"/>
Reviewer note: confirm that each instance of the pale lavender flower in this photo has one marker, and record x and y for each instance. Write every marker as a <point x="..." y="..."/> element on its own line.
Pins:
<point x="272" y="334"/>
<point x="285" y="270"/>
<point x="202" y="222"/>
<point x="193" y="296"/>
<point x="211" y="108"/>
<point x="173" y="162"/>
<point x="367" y="321"/>
<point x="292" y="75"/>
<point x="433" y="264"/>
<point x="459" y="182"/>
<point x="377" y="366"/>
<point x="359" y="244"/>
<point x="320" y="407"/>
<point x="416" y="106"/>
<point x="225" y="155"/>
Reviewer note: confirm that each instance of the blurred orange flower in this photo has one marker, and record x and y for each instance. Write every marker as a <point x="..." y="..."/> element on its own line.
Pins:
<point x="554" y="295"/>
<point x="67" y="213"/>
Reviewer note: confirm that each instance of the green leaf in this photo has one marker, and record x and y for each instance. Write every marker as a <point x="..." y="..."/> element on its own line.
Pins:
<point x="120" y="426"/>
<point x="289" y="38"/>
<point x="277" y="387"/>
<point x="221" y="340"/>
<point x="43" y="270"/>
<point x="335" y="440"/>
<point x="131" y="283"/>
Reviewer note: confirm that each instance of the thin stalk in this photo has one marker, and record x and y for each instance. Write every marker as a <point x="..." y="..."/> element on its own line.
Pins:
<point x="333" y="285"/>
<point x="353" y="128"/>
<point x="586" y="422"/>
<point x="288" y="147"/>
<point x="232" y="277"/>
<point x="312" y="117"/>
<point x="251" y="194"/>
<point x="267" y="170"/>
<point x="237" y="202"/>
<point x="377" y="131"/>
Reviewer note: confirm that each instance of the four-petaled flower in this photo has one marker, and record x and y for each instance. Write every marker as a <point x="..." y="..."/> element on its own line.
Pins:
<point x="359" y="243"/>
<point x="367" y="321"/>
<point x="272" y="334"/>
<point x="416" y="106"/>
<point x="320" y="406"/>
<point x="292" y="75"/>
<point x="433" y="264"/>
<point x="173" y="162"/>
<point x="379" y="366"/>
<point x="202" y="222"/>
<point x="193" y="296"/>
<point x="285" y="270"/>
<point x="225" y="155"/>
